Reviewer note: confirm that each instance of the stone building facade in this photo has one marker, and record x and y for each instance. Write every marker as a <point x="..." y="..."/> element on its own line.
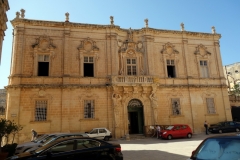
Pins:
<point x="71" y="77"/>
<point x="4" y="7"/>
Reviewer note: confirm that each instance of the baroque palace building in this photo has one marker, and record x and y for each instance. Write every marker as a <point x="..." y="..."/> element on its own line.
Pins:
<point x="4" y="7"/>
<point x="72" y="77"/>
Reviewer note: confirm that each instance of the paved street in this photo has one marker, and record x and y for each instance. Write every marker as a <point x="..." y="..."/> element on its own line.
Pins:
<point x="157" y="149"/>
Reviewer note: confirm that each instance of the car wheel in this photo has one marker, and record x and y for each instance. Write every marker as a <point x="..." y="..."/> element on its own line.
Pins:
<point x="189" y="135"/>
<point x="169" y="137"/>
<point x="220" y="131"/>
<point x="106" y="138"/>
<point x="237" y="130"/>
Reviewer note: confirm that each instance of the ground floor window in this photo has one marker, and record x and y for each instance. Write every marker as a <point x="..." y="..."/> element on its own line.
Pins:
<point x="41" y="110"/>
<point x="89" y="109"/>
<point x="210" y="106"/>
<point x="176" y="108"/>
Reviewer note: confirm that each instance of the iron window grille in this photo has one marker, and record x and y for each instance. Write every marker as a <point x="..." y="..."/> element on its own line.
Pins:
<point x="176" y="108"/>
<point x="89" y="109"/>
<point x="41" y="110"/>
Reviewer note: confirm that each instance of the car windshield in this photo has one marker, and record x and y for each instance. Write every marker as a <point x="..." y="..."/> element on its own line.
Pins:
<point x="218" y="148"/>
<point x="169" y="128"/>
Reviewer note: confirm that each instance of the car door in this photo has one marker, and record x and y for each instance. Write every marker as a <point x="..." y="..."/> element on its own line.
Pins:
<point x="87" y="149"/>
<point x="176" y="132"/>
<point x="102" y="133"/>
<point x="60" y="151"/>
<point x="94" y="134"/>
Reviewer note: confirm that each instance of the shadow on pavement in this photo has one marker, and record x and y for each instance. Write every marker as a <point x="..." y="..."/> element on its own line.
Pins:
<point x="152" y="155"/>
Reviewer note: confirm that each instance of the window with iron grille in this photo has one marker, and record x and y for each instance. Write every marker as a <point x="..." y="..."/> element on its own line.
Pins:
<point x="176" y="108"/>
<point x="2" y="110"/>
<point x="89" y="109"/>
<point x="171" y="69"/>
<point x="41" y="110"/>
<point x="210" y="106"/>
<point x="131" y="66"/>
<point x="204" y="69"/>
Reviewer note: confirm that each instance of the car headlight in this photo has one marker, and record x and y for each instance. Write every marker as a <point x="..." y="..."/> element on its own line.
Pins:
<point x="164" y="132"/>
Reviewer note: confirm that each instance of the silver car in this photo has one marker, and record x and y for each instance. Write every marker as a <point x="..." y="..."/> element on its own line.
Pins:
<point x="43" y="140"/>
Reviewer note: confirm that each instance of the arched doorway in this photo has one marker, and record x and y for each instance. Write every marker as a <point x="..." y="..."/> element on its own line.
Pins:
<point x="135" y="117"/>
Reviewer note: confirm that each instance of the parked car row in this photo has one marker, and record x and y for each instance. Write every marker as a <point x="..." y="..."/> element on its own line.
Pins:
<point x="81" y="148"/>
<point x="228" y="126"/>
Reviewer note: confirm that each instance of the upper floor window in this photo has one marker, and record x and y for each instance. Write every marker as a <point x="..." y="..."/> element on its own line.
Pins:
<point x="236" y="71"/>
<point x="171" y="71"/>
<point x="131" y="66"/>
<point x="89" y="109"/>
<point x="210" y="106"/>
<point x="43" y="65"/>
<point x="204" y="69"/>
<point x="88" y="67"/>
<point x="41" y="110"/>
<point x="176" y="108"/>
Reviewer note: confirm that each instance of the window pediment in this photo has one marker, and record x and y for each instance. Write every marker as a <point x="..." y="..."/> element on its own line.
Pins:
<point x="88" y="46"/>
<point x="201" y="50"/>
<point x="43" y="44"/>
<point x="169" y="49"/>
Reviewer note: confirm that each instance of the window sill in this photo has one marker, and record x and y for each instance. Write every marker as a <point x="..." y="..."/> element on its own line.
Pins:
<point x="89" y="119"/>
<point x="214" y="114"/>
<point x="176" y="116"/>
<point x="40" y="121"/>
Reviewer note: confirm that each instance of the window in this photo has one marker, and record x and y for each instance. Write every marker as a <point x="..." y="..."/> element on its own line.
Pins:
<point x="89" y="109"/>
<point x="88" y="67"/>
<point x="210" y="106"/>
<point x="204" y="69"/>
<point x="236" y="71"/>
<point x="43" y="65"/>
<point x="41" y="110"/>
<point x="171" y="73"/>
<point x="131" y="66"/>
<point x="176" y="109"/>
<point x="63" y="147"/>
<point x="82" y="144"/>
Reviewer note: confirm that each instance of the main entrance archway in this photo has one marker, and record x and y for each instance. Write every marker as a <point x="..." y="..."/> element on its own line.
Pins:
<point x="135" y="117"/>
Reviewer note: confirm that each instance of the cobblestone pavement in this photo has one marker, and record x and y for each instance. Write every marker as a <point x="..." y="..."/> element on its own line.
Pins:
<point x="157" y="149"/>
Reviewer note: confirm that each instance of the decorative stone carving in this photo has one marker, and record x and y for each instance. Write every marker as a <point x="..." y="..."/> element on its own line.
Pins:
<point x="182" y="26"/>
<point x="154" y="102"/>
<point x="213" y="30"/>
<point x="17" y="15"/>
<point x="44" y="45"/>
<point x="117" y="102"/>
<point x="67" y="17"/>
<point x="146" y="23"/>
<point x="88" y="47"/>
<point x="22" y="13"/>
<point x="168" y="48"/>
<point x="201" y="50"/>
<point x="111" y="20"/>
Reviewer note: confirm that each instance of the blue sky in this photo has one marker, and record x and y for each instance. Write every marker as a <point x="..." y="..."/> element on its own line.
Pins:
<point x="197" y="16"/>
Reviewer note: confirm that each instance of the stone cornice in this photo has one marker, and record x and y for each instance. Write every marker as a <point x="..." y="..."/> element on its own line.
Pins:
<point x="99" y="27"/>
<point x="76" y="86"/>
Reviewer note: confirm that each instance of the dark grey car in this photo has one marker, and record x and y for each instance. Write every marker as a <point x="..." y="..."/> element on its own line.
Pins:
<point x="45" y="139"/>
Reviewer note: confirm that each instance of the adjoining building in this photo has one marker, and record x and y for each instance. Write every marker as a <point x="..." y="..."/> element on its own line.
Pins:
<point x="232" y="74"/>
<point x="4" y="7"/>
<point x="3" y="95"/>
<point x="71" y="77"/>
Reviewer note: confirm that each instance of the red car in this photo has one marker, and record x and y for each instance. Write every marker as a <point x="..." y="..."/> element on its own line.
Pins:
<point x="176" y="131"/>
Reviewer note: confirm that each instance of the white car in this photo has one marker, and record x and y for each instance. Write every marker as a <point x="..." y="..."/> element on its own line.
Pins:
<point x="100" y="133"/>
